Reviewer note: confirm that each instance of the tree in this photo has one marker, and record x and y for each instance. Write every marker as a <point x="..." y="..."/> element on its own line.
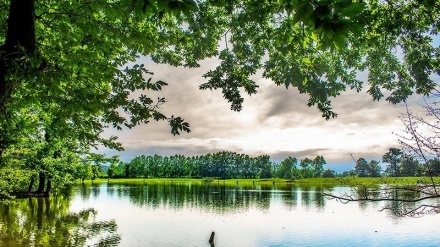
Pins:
<point x="393" y="157"/>
<point x="306" y="168"/>
<point x="374" y="168"/>
<point x="409" y="166"/>
<point x="50" y="160"/>
<point x="432" y="167"/>
<point x="318" y="166"/>
<point x="287" y="168"/>
<point x="62" y="79"/>
<point x="13" y="180"/>
<point x="263" y="164"/>
<point x="116" y="170"/>
<point x="361" y="167"/>
<point x="95" y="171"/>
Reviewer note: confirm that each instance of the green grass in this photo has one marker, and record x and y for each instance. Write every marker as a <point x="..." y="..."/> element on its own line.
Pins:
<point x="182" y="180"/>
<point x="277" y="181"/>
<point x="395" y="180"/>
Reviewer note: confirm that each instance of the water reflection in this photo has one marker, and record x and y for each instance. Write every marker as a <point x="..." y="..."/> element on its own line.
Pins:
<point x="87" y="190"/>
<point x="404" y="203"/>
<point x="248" y="215"/>
<point x="397" y="202"/>
<point x="215" y="197"/>
<point x="184" y="214"/>
<point x="48" y="222"/>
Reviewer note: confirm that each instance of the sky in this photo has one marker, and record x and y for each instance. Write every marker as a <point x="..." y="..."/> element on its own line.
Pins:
<point x="275" y="121"/>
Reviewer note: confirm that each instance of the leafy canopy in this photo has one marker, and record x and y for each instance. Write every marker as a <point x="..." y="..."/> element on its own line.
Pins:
<point x="83" y="76"/>
<point x="317" y="46"/>
<point x="76" y="76"/>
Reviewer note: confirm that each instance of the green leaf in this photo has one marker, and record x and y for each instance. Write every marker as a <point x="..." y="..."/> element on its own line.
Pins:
<point x="353" y="10"/>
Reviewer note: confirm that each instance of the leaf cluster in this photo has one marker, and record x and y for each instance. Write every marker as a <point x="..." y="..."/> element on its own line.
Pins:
<point x="317" y="46"/>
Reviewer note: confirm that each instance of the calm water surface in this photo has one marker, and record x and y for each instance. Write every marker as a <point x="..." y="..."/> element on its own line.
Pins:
<point x="185" y="214"/>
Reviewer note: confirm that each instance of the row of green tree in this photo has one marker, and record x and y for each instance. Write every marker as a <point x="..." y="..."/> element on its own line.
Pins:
<point x="399" y="164"/>
<point x="226" y="165"/>
<point x="220" y="165"/>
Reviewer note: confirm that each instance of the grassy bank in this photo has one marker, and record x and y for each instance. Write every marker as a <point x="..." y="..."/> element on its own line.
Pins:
<point x="276" y="181"/>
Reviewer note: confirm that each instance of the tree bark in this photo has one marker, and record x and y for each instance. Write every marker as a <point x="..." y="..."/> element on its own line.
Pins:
<point x="48" y="187"/>
<point x="42" y="179"/>
<point x="31" y="184"/>
<point x="20" y="41"/>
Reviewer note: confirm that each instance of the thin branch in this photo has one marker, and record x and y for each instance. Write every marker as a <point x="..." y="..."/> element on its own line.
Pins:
<point x="347" y="198"/>
<point x="226" y="39"/>
<point x="412" y="130"/>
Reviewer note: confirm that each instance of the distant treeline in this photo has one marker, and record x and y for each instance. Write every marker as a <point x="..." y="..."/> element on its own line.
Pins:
<point x="222" y="165"/>
<point x="399" y="164"/>
<point x="225" y="165"/>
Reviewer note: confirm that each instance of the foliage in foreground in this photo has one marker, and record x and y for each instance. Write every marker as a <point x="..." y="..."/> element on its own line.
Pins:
<point x="66" y="75"/>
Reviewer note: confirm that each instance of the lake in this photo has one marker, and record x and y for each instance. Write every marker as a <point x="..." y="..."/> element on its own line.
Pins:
<point x="185" y="214"/>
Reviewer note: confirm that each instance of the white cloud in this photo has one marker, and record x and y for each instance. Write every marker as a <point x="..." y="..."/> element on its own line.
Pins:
<point x="275" y="121"/>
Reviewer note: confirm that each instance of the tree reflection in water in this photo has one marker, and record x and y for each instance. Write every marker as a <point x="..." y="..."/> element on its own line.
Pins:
<point x="215" y="197"/>
<point x="398" y="201"/>
<point x="48" y="222"/>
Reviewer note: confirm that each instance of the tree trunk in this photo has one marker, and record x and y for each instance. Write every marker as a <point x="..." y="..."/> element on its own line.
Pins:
<point x="21" y="33"/>
<point x="48" y="187"/>
<point x="42" y="179"/>
<point x="31" y="184"/>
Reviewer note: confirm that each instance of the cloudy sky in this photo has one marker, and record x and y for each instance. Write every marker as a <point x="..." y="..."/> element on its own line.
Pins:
<point x="275" y="121"/>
